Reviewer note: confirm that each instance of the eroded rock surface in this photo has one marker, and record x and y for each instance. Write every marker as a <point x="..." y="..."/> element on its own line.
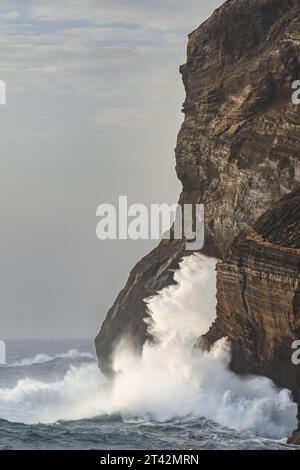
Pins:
<point x="258" y="293"/>
<point x="238" y="152"/>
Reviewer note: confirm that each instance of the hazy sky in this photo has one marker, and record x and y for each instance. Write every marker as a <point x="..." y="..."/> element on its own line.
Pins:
<point x="93" y="110"/>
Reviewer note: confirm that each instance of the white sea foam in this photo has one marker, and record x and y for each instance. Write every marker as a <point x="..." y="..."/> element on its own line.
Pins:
<point x="42" y="358"/>
<point x="170" y="380"/>
<point x="77" y="395"/>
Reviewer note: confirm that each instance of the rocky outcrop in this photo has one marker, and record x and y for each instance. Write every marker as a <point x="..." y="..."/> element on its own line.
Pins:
<point x="258" y="293"/>
<point x="237" y="152"/>
<point x="126" y="317"/>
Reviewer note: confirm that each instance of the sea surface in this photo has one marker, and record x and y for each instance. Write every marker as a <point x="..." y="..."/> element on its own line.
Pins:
<point x="48" y="400"/>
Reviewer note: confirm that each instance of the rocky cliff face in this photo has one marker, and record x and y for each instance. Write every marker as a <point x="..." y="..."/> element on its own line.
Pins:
<point x="258" y="293"/>
<point x="238" y="151"/>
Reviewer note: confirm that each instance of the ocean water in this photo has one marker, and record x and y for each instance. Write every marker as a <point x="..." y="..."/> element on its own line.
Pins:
<point x="173" y="396"/>
<point x="33" y="388"/>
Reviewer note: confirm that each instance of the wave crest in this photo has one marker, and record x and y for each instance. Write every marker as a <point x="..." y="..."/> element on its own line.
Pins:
<point x="72" y="354"/>
<point x="170" y="380"/>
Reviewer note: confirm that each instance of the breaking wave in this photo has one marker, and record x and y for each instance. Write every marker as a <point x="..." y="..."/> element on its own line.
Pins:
<point x="42" y="358"/>
<point x="173" y="379"/>
<point x="170" y="380"/>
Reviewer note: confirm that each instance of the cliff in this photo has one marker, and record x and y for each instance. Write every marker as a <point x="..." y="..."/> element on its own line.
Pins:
<point x="258" y="293"/>
<point x="237" y="151"/>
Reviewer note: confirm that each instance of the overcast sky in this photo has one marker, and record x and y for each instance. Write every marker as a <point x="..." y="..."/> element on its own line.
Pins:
<point x="93" y="110"/>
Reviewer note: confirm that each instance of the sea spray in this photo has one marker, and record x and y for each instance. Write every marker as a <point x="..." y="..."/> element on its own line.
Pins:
<point x="79" y="394"/>
<point x="170" y="380"/>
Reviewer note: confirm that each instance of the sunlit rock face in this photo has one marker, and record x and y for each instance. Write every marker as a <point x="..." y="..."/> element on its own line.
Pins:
<point x="238" y="150"/>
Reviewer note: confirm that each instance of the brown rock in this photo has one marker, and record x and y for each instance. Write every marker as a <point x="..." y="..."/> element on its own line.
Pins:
<point x="294" y="439"/>
<point x="258" y="287"/>
<point x="258" y="292"/>
<point x="238" y="151"/>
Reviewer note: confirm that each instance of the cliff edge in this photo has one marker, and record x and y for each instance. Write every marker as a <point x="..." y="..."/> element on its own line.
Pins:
<point x="238" y="151"/>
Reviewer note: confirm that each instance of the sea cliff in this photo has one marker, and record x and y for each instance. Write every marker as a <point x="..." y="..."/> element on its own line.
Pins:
<point x="238" y="153"/>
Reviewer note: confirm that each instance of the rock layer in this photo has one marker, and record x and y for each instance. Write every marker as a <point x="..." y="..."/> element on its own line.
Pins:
<point x="258" y="293"/>
<point x="237" y="152"/>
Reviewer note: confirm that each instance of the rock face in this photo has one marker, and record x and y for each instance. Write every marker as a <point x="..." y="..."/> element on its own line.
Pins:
<point x="258" y="293"/>
<point x="238" y="151"/>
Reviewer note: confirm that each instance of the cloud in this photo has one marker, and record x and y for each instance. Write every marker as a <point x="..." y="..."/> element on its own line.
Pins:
<point x="79" y="46"/>
<point x="10" y="15"/>
<point x="93" y="108"/>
